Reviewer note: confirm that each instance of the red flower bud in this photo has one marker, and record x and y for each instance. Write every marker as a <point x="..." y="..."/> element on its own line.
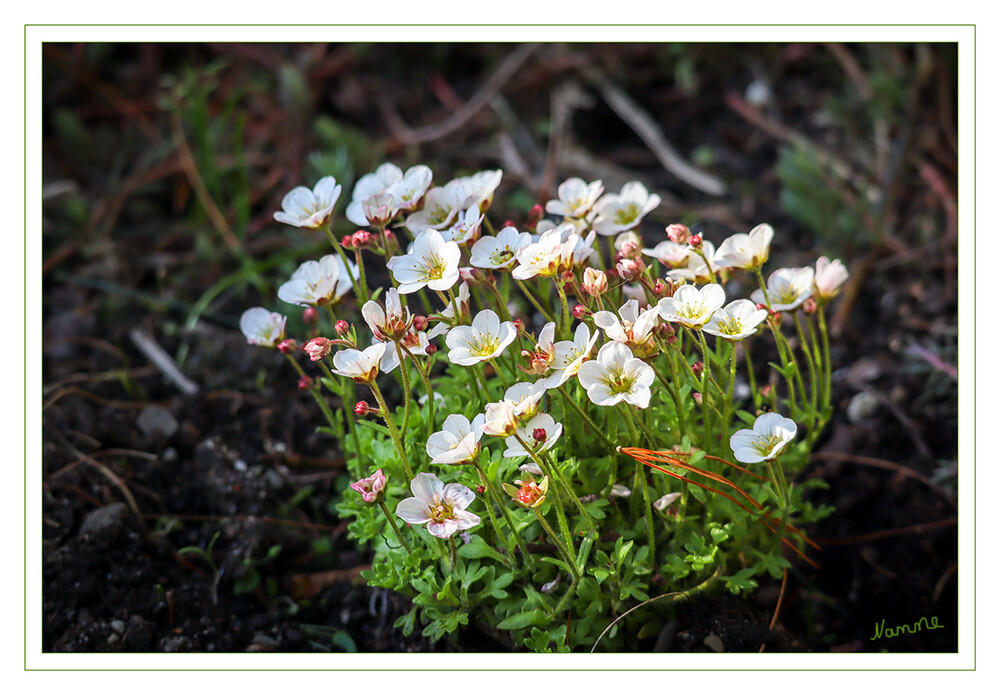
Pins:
<point x="695" y="241"/>
<point x="361" y="239"/>
<point x="809" y="306"/>
<point x="342" y="327"/>
<point x="288" y="346"/>
<point x="348" y="241"/>
<point x="431" y="349"/>
<point x="318" y="348"/>
<point x="420" y="323"/>
<point x="698" y="368"/>
<point x="361" y="408"/>
<point x="697" y="397"/>
<point x="508" y="223"/>
<point x="579" y="311"/>
<point x="678" y="233"/>
<point x="539" y="435"/>
<point x="767" y="393"/>
<point x="536" y="213"/>
<point x="519" y="325"/>
<point x="758" y="307"/>
<point x="480" y="489"/>
<point x="305" y="382"/>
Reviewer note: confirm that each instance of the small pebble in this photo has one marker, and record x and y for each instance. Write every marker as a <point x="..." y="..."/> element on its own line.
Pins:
<point x="155" y="421"/>
<point x="861" y="407"/>
<point x="714" y="642"/>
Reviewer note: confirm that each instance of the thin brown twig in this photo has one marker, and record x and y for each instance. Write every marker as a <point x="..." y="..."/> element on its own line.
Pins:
<point x="939" y="587"/>
<point x="887" y="465"/>
<point x="493" y="84"/>
<point x="879" y="535"/>
<point x="781" y="598"/>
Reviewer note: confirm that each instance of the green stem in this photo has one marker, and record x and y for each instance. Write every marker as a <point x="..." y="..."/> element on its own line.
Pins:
<point x="393" y="432"/>
<point x="362" y="280"/>
<point x="392" y="522"/>
<point x="640" y="474"/>
<point x="552" y="467"/>
<point x="404" y="372"/>
<point x="750" y="375"/>
<point x="531" y="298"/>
<point x="554" y="488"/>
<point x="343" y="256"/>
<point x="320" y="401"/>
<point x="427" y="387"/>
<point x="583" y="415"/>
<point x="570" y="561"/>
<point x="564" y="323"/>
<point x="506" y="516"/>
<point x="811" y="364"/>
<point x="826" y="355"/>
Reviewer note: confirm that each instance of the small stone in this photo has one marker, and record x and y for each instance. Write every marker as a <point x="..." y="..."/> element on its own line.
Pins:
<point x="714" y="642"/>
<point x="155" y="421"/>
<point x="861" y="407"/>
<point x="118" y="626"/>
<point x="104" y="518"/>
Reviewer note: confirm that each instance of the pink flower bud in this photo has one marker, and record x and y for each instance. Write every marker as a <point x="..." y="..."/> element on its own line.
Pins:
<point x="671" y="339"/>
<point x="430" y="349"/>
<point x="342" y="327"/>
<point x="361" y="239"/>
<point x="767" y="393"/>
<point x="310" y="315"/>
<point x="698" y="368"/>
<point x="760" y="307"/>
<point x="318" y="348"/>
<point x="695" y="241"/>
<point x="361" y="408"/>
<point x="519" y="325"/>
<point x="630" y="249"/>
<point x="678" y="233"/>
<point x="480" y="489"/>
<point x="348" y="241"/>
<point x="539" y="435"/>
<point x="659" y="289"/>
<point x="579" y="311"/>
<point x="370" y="488"/>
<point x="288" y="346"/>
<point x="595" y="282"/>
<point x="305" y="382"/>
<point x="420" y="323"/>
<point x="630" y="269"/>
<point x="697" y="397"/>
<point x="776" y="317"/>
<point x="536" y="213"/>
<point x="809" y="306"/>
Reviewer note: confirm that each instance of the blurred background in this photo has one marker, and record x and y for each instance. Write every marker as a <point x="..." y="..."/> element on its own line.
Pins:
<point x="188" y="500"/>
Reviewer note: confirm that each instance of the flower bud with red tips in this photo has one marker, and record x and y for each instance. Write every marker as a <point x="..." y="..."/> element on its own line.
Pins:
<point x="305" y="383"/>
<point x="776" y="317"/>
<point x="539" y="434"/>
<point x="420" y="323"/>
<point x="536" y="213"/>
<point x="809" y="307"/>
<point x="760" y="307"/>
<point x="630" y="268"/>
<point x="767" y="393"/>
<point x="579" y="311"/>
<point x="678" y="233"/>
<point x="698" y="368"/>
<point x="697" y="397"/>
<point x="519" y="325"/>
<point x="342" y="327"/>
<point x="507" y="223"/>
<point x="318" y="348"/>
<point x="480" y="489"/>
<point x="361" y="408"/>
<point x="348" y="241"/>
<point x="630" y="249"/>
<point x="695" y="241"/>
<point x="310" y="315"/>
<point x="430" y="349"/>
<point x="288" y="346"/>
<point x="361" y="239"/>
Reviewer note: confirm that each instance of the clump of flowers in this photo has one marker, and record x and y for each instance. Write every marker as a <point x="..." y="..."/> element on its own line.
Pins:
<point x="569" y="429"/>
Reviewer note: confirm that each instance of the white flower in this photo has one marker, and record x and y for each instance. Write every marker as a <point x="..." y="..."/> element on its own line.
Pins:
<point x="692" y="307"/>
<point x="629" y="237"/>
<point x="530" y="467"/>
<point x="665" y="501"/>
<point x="369" y="186"/>
<point x="525" y="397"/>
<point x="616" y="376"/>
<point x="458" y="442"/>
<point x="431" y="262"/>
<point x="575" y="250"/>
<point x="618" y="212"/>
<point x="440" y="506"/>
<point x="414" y="184"/>
<point x="499" y="251"/>
<point x="378" y="210"/>
<point x="569" y="355"/>
<point x="549" y="432"/>
<point x="262" y="327"/>
<point x="541" y="257"/>
<point x="309" y="209"/>
<point x="670" y="254"/>
<point x="619" y="491"/>
<point x="576" y="198"/>
<point x="485" y="339"/>
<point x="499" y="419"/>
<point x="479" y="188"/>
<point x="360" y="365"/>
<point x="466" y="226"/>
<point x="413" y="341"/>
<point x="746" y="251"/>
<point x="393" y="322"/>
<point x="631" y="327"/>
<point x="770" y="434"/>
<point x="694" y="270"/>
<point x="787" y="288"/>
<point x="313" y="283"/>
<point x="829" y="277"/>
<point x="440" y="207"/>
<point x="738" y="320"/>
<point x="345" y="271"/>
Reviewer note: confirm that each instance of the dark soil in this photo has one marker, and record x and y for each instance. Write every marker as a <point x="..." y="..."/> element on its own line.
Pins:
<point x="240" y="462"/>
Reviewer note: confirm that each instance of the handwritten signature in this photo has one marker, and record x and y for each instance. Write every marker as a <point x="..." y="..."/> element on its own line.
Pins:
<point x="923" y="624"/>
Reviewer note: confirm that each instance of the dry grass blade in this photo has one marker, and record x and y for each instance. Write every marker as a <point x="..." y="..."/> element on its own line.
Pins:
<point x="163" y="361"/>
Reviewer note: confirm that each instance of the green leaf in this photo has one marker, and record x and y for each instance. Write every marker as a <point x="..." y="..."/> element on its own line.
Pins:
<point x="520" y="621"/>
<point x="478" y="548"/>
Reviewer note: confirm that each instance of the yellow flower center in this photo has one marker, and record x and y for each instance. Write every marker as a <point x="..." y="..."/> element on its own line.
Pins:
<point x="627" y="214"/>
